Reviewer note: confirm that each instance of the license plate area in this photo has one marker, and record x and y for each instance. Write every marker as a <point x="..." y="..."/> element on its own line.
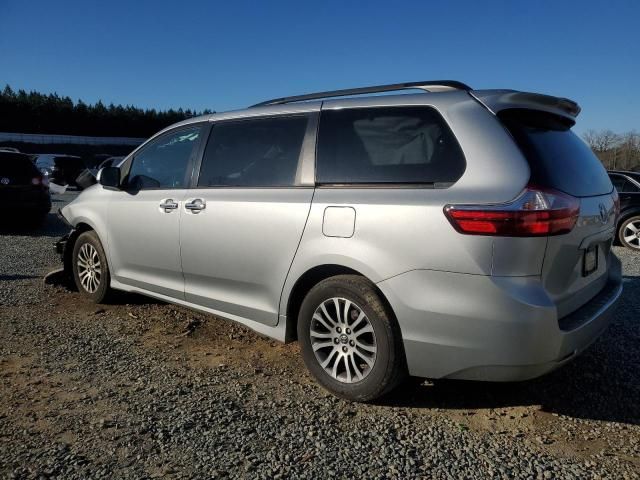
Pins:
<point x="590" y="260"/>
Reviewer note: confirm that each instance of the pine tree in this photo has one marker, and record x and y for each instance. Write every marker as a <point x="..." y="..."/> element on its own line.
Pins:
<point x="34" y="112"/>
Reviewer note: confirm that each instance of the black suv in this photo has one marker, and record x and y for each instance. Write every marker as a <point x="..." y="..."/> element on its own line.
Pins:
<point x="628" y="186"/>
<point x="24" y="191"/>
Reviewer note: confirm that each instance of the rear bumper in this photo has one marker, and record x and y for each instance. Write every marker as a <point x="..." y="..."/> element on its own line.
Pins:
<point x="25" y="206"/>
<point x="476" y="327"/>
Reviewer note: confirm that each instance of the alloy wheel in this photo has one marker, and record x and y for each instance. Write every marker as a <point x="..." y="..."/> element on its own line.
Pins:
<point x="631" y="234"/>
<point x="343" y="340"/>
<point x="89" y="268"/>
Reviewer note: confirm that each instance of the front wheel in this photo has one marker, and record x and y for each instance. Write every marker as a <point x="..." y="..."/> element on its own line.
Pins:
<point x="629" y="233"/>
<point x="90" y="269"/>
<point x="349" y="340"/>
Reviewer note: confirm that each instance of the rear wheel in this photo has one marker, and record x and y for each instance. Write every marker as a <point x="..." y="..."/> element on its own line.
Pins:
<point x="629" y="233"/>
<point x="90" y="269"/>
<point x="349" y="340"/>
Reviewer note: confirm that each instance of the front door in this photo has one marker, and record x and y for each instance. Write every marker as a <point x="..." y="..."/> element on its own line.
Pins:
<point x="144" y="217"/>
<point x="242" y="223"/>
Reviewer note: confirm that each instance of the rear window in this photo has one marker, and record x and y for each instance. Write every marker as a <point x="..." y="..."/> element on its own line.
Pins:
<point x="558" y="158"/>
<point x="391" y="145"/>
<point x="16" y="165"/>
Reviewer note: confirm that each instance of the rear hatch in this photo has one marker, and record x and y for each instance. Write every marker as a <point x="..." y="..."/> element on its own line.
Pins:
<point x="575" y="264"/>
<point x="17" y="174"/>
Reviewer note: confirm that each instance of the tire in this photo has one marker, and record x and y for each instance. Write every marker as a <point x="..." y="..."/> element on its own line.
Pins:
<point x="629" y="233"/>
<point x="373" y="351"/>
<point x="88" y="256"/>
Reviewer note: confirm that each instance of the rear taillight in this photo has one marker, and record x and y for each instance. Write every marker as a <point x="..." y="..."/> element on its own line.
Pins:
<point x="44" y="181"/>
<point x="536" y="212"/>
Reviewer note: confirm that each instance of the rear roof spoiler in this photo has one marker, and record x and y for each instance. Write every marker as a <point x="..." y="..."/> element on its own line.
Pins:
<point x="498" y="100"/>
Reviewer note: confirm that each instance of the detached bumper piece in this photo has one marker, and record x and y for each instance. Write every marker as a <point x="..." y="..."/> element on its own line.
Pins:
<point x="61" y="245"/>
<point x="63" y="275"/>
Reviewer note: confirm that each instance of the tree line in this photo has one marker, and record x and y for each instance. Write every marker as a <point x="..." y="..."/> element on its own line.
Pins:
<point x="616" y="151"/>
<point x="34" y="112"/>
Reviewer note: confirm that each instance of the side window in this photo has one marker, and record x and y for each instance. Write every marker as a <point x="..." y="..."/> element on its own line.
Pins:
<point x="618" y="182"/>
<point x="623" y="184"/>
<point x="164" y="162"/>
<point x="387" y="145"/>
<point x="253" y="153"/>
<point x="631" y="187"/>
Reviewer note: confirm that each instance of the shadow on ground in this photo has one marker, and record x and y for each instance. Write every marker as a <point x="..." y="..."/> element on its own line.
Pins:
<point x="8" y="278"/>
<point x="27" y="227"/>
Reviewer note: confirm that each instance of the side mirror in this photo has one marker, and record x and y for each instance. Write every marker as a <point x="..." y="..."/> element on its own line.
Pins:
<point x="109" y="177"/>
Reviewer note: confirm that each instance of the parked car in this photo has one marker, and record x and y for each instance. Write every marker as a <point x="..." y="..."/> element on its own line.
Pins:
<point x="108" y="162"/>
<point x="89" y="176"/>
<point x="24" y="191"/>
<point x="9" y="149"/>
<point x="454" y="233"/>
<point x="61" y="169"/>
<point x="628" y="186"/>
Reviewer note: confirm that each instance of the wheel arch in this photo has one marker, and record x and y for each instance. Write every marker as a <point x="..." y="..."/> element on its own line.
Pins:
<point x="307" y="281"/>
<point x="629" y="212"/>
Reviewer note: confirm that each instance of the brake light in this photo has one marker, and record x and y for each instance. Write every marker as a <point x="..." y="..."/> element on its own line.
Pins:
<point x="44" y="181"/>
<point x="536" y="212"/>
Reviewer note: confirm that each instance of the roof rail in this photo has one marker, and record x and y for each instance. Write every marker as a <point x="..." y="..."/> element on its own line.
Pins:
<point x="428" y="85"/>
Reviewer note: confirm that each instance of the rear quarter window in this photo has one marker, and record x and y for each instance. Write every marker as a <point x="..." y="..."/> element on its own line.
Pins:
<point x="390" y="145"/>
<point x="558" y="158"/>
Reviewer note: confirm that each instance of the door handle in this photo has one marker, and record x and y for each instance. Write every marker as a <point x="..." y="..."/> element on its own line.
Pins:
<point x="196" y="205"/>
<point x="168" y="205"/>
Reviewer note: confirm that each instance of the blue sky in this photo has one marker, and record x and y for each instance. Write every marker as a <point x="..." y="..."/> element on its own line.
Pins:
<point x="229" y="54"/>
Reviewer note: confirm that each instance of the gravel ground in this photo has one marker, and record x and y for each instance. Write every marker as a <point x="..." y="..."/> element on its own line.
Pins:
<point x="142" y="389"/>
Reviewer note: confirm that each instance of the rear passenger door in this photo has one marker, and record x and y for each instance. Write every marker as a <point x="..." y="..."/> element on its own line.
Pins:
<point x="383" y="175"/>
<point x="242" y="221"/>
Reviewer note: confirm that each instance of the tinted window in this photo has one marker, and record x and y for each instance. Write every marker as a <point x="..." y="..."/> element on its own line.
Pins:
<point x="617" y="181"/>
<point x="163" y="162"/>
<point x="621" y="183"/>
<point x="253" y="153"/>
<point x="17" y="166"/>
<point x="634" y="175"/>
<point x="558" y="158"/>
<point x="630" y="187"/>
<point x="387" y="145"/>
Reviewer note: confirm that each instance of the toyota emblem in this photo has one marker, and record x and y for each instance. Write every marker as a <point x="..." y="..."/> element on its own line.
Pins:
<point x="604" y="215"/>
<point x="4" y="181"/>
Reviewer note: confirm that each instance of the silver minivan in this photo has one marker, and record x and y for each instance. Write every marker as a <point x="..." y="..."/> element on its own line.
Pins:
<point x="451" y="233"/>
